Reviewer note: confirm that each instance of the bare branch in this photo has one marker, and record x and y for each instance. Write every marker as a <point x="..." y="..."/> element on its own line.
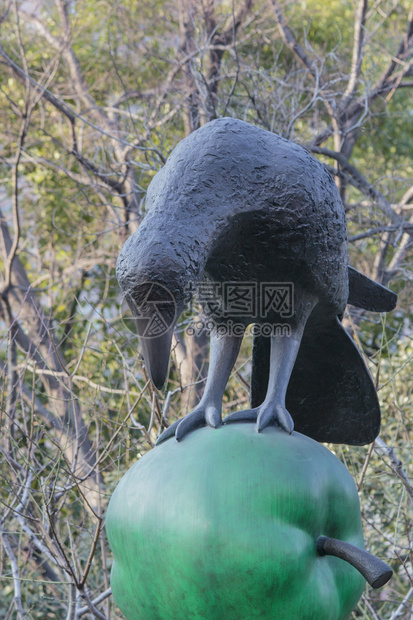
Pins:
<point x="235" y="22"/>
<point x="386" y="83"/>
<point x="92" y="552"/>
<point x="291" y="41"/>
<point x="359" y="181"/>
<point x="104" y="595"/>
<point x="147" y="94"/>
<point x="357" y="59"/>
<point x="383" y="450"/>
<point x="380" y="229"/>
<point x="62" y="106"/>
<point x="91" y="606"/>
<point x="64" y="47"/>
<point x="402" y="608"/>
<point x="15" y="572"/>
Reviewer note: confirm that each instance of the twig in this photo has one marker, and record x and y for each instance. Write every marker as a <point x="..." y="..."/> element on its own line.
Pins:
<point x="385" y="84"/>
<point x="365" y="466"/>
<point x="357" y="59"/>
<point x="82" y="352"/>
<point x="379" y="229"/>
<point x="12" y="378"/>
<point x="15" y="573"/>
<point x="104" y="595"/>
<point x="62" y="373"/>
<point x="291" y="42"/>
<point x="60" y="105"/>
<point x="68" y="567"/>
<point x="396" y="465"/>
<point x="18" y="511"/>
<point x="91" y="606"/>
<point x="374" y="616"/>
<point x="71" y="611"/>
<point x="402" y="608"/>
<point x="105" y="452"/>
<point x="359" y="181"/>
<point x="92" y="552"/>
<point x="16" y="217"/>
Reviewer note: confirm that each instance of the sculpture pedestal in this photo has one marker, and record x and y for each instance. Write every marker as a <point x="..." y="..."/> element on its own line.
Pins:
<point x="224" y="525"/>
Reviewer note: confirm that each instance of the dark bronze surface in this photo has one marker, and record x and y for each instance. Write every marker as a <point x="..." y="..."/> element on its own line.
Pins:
<point x="238" y="204"/>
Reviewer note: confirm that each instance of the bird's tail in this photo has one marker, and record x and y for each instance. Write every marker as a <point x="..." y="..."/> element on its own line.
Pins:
<point x="331" y="395"/>
<point x="368" y="294"/>
<point x="261" y="348"/>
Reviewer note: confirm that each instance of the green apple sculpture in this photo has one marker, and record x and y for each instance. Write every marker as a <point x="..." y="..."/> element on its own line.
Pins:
<point x="231" y="524"/>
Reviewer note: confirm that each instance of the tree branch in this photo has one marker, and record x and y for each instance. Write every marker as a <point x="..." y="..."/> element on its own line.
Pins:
<point x="104" y="595"/>
<point x="385" y="84"/>
<point x="361" y="183"/>
<point x="396" y="465"/>
<point x="60" y="105"/>
<point x="358" y="44"/>
<point x="292" y="43"/>
<point x="15" y="573"/>
<point x="235" y="22"/>
<point x="64" y="47"/>
<point x="402" y="608"/>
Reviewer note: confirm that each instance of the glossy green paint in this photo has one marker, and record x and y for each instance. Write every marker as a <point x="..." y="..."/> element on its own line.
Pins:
<point x="222" y="526"/>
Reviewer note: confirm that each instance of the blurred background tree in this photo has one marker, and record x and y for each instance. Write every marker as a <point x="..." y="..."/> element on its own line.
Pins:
<point x="93" y="97"/>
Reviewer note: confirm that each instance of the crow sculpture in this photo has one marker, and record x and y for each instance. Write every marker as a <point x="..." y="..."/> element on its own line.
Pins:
<point x="235" y="204"/>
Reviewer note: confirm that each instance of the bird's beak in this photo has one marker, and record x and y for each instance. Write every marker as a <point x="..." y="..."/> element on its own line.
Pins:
<point x="156" y="353"/>
<point x="155" y="313"/>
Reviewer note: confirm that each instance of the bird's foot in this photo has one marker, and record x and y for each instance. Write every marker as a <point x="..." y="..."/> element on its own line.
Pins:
<point x="264" y="415"/>
<point x="208" y="415"/>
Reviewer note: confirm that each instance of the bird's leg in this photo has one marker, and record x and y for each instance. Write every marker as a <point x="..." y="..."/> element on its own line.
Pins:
<point x="284" y="350"/>
<point x="223" y="354"/>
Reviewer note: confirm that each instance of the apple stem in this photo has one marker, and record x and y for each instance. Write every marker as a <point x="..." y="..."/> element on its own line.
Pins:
<point x="375" y="571"/>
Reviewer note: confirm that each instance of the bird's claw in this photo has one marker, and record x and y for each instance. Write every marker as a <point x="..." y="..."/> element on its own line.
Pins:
<point x="167" y="433"/>
<point x="201" y="416"/>
<point x="274" y="413"/>
<point x="264" y="415"/>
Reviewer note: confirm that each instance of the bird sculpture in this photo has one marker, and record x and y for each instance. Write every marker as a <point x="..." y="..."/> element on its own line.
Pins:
<point x="238" y="206"/>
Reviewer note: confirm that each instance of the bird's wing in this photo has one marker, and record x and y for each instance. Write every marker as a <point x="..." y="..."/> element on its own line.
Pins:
<point x="368" y="294"/>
